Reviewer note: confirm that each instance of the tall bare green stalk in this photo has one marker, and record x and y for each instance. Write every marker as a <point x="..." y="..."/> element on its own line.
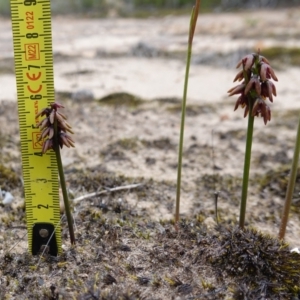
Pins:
<point x="63" y="183"/>
<point x="247" y="163"/>
<point x="290" y="187"/>
<point x="193" y="22"/>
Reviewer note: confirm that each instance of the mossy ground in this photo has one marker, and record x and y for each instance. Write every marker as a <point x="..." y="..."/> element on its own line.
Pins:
<point x="122" y="254"/>
<point x="127" y="246"/>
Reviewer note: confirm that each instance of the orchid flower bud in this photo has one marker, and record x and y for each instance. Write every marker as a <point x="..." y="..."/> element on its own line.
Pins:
<point x="256" y="86"/>
<point x="47" y="127"/>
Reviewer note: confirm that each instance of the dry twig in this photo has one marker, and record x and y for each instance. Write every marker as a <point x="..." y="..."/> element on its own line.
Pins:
<point x="108" y="190"/>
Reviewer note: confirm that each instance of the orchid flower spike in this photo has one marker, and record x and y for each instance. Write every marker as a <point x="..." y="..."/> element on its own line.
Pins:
<point x="256" y="86"/>
<point x="46" y="126"/>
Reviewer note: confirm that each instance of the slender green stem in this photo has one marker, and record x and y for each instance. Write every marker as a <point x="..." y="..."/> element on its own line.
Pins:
<point x="291" y="186"/>
<point x="63" y="184"/>
<point x="216" y="194"/>
<point x="192" y="27"/>
<point x="247" y="163"/>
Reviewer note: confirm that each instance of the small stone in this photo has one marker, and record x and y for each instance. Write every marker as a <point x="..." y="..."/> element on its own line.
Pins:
<point x="295" y="250"/>
<point x="8" y="198"/>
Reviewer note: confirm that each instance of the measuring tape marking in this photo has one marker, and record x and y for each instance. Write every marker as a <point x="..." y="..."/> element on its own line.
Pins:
<point x="31" y="25"/>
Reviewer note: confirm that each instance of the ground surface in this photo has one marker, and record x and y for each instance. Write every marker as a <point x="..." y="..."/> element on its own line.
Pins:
<point x="121" y="82"/>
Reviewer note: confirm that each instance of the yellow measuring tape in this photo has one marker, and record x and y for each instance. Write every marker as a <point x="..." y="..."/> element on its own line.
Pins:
<point x="32" y="39"/>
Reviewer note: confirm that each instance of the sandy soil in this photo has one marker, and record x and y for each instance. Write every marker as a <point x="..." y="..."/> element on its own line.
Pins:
<point x="121" y="81"/>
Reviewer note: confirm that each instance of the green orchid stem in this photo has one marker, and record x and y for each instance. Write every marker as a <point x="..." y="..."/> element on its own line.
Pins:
<point x="193" y="22"/>
<point x="291" y="186"/>
<point x="63" y="185"/>
<point x="247" y="163"/>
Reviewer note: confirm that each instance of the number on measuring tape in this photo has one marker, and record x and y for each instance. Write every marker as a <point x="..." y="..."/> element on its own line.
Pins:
<point x="30" y="2"/>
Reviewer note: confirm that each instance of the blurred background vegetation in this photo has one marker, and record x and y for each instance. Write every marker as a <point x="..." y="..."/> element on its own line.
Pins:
<point x="143" y="8"/>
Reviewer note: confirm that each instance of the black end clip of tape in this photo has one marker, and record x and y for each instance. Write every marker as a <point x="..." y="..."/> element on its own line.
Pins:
<point x="43" y="239"/>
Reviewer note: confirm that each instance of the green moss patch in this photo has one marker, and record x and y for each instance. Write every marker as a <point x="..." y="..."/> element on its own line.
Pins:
<point x="121" y="99"/>
<point x="262" y="267"/>
<point x="8" y="179"/>
<point x="279" y="55"/>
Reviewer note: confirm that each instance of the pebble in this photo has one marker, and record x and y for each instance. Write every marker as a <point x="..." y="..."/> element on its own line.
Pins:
<point x="8" y="198"/>
<point x="296" y="250"/>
